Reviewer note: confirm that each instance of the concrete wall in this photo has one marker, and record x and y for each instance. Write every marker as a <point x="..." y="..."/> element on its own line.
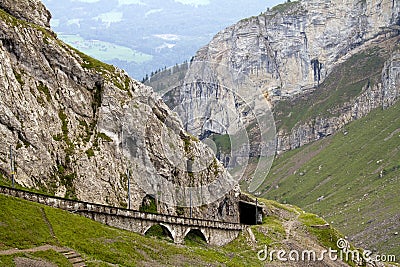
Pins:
<point x="215" y="232"/>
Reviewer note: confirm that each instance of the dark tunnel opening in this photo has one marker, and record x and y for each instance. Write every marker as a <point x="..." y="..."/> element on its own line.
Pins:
<point x="249" y="213"/>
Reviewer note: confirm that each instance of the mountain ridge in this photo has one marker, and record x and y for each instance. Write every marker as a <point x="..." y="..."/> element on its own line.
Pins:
<point x="253" y="47"/>
<point x="64" y="112"/>
<point x="76" y="125"/>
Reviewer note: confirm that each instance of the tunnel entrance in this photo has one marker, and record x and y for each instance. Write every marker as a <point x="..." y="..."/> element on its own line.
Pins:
<point x="249" y="213"/>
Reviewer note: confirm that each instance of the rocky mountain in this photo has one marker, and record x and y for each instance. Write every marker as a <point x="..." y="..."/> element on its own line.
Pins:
<point x="77" y="125"/>
<point x="366" y="80"/>
<point x="38" y="14"/>
<point x="319" y="65"/>
<point x="297" y="49"/>
<point x="294" y="46"/>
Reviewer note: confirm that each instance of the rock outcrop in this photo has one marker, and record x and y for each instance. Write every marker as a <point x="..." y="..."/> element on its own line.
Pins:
<point x="380" y="94"/>
<point x="77" y="125"/>
<point x="294" y="46"/>
<point x="290" y="51"/>
<point x="30" y="10"/>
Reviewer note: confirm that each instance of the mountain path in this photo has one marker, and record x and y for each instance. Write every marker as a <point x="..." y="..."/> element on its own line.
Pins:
<point x="72" y="256"/>
<point x="289" y="226"/>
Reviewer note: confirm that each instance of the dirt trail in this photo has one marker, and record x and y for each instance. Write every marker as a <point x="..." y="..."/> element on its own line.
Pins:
<point x="289" y="226"/>
<point x="73" y="257"/>
<point x="32" y="250"/>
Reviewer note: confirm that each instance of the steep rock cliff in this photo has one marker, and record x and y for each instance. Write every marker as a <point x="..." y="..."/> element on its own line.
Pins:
<point x="76" y="125"/>
<point x="294" y="46"/>
<point x="289" y="52"/>
<point x="31" y="11"/>
<point x="377" y="87"/>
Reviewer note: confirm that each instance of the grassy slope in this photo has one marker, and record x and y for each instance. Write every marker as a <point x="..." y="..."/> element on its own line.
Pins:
<point x="23" y="225"/>
<point x="346" y="169"/>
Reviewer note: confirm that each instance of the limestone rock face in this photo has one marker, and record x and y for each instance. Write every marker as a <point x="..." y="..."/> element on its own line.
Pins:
<point x="286" y="52"/>
<point x="381" y="95"/>
<point x="32" y="11"/>
<point x="294" y="46"/>
<point x="77" y="125"/>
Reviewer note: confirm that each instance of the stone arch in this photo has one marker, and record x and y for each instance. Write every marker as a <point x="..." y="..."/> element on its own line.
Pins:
<point x="198" y="232"/>
<point x="164" y="227"/>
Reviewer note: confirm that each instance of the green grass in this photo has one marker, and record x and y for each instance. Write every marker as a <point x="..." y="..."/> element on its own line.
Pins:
<point x="327" y="237"/>
<point x="22" y="225"/>
<point x="11" y="20"/>
<point x="64" y="123"/>
<point x="45" y="90"/>
<point x="223" y="143"/>
<point x="49" y="256"/>
<point x="66" y="175"/>
<point x="90" y="152"/>
<point x="53" y="257"/>
<point x="18" y="76"/>
<point x="285" y="6"/>
<point x="105" y="137"/>
<point x="271" y="232"/>
<point x="346" y="169"/>
<point x="92" y="63"/>
<point x="8" y="260"/>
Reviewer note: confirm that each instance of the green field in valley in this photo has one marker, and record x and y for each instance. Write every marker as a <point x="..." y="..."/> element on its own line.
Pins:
<point x="105" y="51"/>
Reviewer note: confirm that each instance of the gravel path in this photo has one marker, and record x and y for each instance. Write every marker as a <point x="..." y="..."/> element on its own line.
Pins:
<point x="25" y="262"/>
<point x="73" y="257"/>
<point x="32" y="250"/>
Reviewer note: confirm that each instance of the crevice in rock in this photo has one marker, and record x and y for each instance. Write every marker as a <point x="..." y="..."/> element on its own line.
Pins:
<point x="11" y="46"/>
<point x="317" y="66"/>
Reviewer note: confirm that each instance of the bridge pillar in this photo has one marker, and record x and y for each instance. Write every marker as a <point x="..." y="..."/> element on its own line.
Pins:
<point x="180" y="233"/>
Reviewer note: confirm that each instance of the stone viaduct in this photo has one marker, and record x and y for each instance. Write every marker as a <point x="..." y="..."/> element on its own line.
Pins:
<point x="214" y="232"/>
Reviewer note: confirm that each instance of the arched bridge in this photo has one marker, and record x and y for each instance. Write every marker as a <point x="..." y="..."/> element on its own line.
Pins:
<point x="214" y="232"/>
